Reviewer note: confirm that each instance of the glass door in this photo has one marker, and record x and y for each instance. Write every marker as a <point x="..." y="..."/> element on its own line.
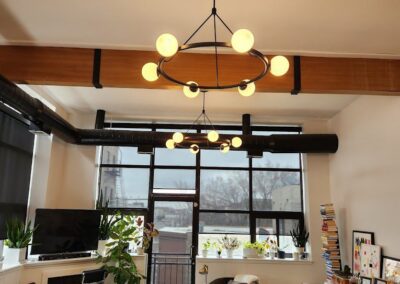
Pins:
<point x="173" y="257"/>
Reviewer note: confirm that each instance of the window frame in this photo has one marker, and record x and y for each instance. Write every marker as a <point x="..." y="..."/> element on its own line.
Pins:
<point x="253" y="214"/>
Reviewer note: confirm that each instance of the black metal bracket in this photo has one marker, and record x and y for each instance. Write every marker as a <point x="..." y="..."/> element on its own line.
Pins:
<point x="297" y="76"/>
<point x="100" y="119"/>
<point x="96" y="69"/>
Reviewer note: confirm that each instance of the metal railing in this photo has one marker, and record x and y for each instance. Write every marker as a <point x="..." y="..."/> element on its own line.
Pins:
<point x="169" y="268"/>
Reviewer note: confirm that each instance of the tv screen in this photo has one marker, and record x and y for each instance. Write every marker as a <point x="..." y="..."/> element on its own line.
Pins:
<point x="65" y="230"/>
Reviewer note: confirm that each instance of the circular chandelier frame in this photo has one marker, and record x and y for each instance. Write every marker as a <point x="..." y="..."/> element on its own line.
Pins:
<point x="253" y="52"/>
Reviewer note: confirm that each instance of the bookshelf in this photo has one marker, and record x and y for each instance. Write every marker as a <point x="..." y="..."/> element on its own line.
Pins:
<point x="330" y="241"/>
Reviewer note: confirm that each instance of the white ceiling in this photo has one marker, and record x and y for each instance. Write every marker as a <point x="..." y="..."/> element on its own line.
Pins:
<point x="158" y="105"/>
<point x="334" y="27"/>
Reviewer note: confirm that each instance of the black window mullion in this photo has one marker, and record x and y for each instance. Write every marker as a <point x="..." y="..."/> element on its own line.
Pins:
<point x="277" y="225"/>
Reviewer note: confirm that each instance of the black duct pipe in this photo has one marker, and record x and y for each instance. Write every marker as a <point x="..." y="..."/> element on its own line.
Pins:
<point x="47" y="120"/>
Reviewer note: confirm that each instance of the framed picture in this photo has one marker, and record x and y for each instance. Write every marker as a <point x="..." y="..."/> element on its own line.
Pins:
<point x="391" y="269"/>
<point x="370" y="261"/>
<point x="380" y="281"/>
<point x="360" y="237"/>
<point x="366" y="280"/>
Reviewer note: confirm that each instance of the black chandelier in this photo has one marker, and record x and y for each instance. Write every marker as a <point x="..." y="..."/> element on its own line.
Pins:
<point x="242" y="41"/>
<point x="179" y="139"/>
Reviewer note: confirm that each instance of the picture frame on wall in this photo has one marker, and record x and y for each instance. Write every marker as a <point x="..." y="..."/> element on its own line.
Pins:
<point x="371" y="260"/>
<point x="391" y="269"/>
<point x="366" y="280"/>
<point x="359" y="238"/>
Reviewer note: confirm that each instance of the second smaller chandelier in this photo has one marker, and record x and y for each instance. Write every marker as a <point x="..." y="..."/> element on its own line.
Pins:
<point x="210" y="135"/>
<point x="242" y="41"/>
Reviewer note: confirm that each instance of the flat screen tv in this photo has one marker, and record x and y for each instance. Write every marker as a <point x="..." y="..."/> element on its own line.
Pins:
<point x="65" y="231"/>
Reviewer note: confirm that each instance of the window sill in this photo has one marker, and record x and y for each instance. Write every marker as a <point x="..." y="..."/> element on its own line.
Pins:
<point x="237" y="259"/>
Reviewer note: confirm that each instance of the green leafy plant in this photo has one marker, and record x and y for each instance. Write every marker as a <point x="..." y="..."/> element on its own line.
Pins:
<point x="117" y="261"/>
<point x="248" y="245"/>
<point x="300" y="236"/>
<point x="107" y="220"/>
<point x="145" y="234"/>
<point x="18" y="235"/>
<point x="207" y="245"/>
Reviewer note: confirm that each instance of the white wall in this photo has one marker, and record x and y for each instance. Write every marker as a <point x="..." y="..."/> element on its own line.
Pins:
<point x="64" y="175"/>
<point x="364" y="174"/>
<point x="316" y="173"/>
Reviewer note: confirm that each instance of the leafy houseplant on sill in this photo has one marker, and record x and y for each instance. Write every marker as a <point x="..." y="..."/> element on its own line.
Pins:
<point x="18" y="239"/>
<point x="107" y="221"/>
<point x="300" y="238"/>
<point x="249" y="250"/>
<point x="144" y="235"/>
<point x="206" y="246"/>
<point x="117" y="260"/>
<point x="230" y="244"/>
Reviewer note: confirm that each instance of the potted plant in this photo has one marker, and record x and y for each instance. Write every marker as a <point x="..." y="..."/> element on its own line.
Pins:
<point x="249" y="250"/>
<point x="282" y="252"/>
<point x="18" y="239"/>
<point x="206" y="246"/>
<point x="273" y="248"/>
<point x="300" y="238"/>
<point x="107" y="221"/>
<point x="117" y="260"/>
<point x="144" y="235"/>
<point x="218" y="247"/>
<point x="230" y="244"/>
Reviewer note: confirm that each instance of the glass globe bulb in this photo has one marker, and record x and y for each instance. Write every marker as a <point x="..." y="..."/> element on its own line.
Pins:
<point x="246" y="90"/>
<point x="224" y="148"/>
<point x="149" y="72"/>
<point x="236" y="142"/>
<point x="192" y="91"/>
<point x="242" y="40"/>
<point x="167" y="45"/>
<point x="279" y="65"/>
<point x="170" y="144"/>
<point x="194" y="148"/>
<point x="177" y="137"/>
<point x="213" y="136"/>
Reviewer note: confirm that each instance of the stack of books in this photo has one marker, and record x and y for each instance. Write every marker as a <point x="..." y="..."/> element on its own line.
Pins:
<point x="330" y="240"/>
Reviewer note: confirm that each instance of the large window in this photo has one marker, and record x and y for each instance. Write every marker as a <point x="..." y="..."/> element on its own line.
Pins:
<point x="253" y="198"/>
<point x="16" y="151"/>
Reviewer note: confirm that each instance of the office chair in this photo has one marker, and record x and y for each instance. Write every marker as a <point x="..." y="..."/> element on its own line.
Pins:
<point x="96" y="276"/>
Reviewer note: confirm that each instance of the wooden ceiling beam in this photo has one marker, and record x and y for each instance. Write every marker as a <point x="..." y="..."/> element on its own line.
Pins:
<point x="122" y="68"/>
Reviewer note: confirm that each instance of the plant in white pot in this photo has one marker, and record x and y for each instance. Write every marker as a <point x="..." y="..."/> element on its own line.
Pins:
<point x="106" y="222"/>
<point x="229" y="244"/>
<point x="273" y="248"/>
<point x="18" y="238"/>
<point x="249" y="250"/>
<point x="206" y="246"/>
<point x="300" y="238"/>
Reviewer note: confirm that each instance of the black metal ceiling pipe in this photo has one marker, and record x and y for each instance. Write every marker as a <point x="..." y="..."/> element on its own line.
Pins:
<point x="45" y="118"/>
<point x="36" y="112"/>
